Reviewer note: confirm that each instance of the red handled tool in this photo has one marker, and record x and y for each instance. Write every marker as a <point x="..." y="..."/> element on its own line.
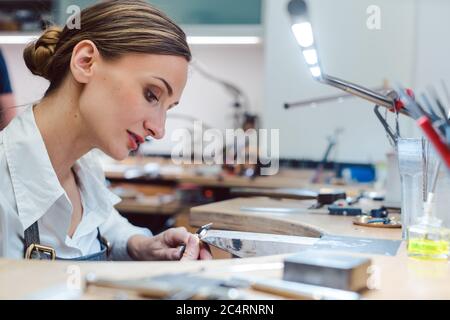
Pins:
<point x="433" y="126"/>
<point x="435" y="139"/>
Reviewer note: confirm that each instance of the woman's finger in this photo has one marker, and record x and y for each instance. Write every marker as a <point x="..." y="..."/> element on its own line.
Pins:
<point x="172" y="254"/>
<point x="205" y="252"/>
<point x="175" y="237"/>
<point x="192" y="248"/>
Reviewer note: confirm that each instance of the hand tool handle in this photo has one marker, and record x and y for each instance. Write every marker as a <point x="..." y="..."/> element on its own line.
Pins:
<point x="428" y="129"/>
<point x="296" y="290"/>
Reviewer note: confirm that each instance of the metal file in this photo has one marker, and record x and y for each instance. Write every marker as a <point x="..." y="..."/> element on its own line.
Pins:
<point x="250" y="244"/>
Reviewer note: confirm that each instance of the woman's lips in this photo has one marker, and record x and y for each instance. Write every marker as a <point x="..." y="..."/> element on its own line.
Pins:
<point x="133" y="140"/>
<point x="139" y="139"/>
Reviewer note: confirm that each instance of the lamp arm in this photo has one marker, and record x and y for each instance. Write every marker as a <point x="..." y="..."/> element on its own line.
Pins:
<point x="358" y="90"/>
<point x="236" y="92"/>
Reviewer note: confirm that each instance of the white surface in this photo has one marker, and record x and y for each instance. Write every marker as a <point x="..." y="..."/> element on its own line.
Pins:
<point x="347" y="49"/>
<point x="26" y="87"/>
<point x="433" y="45"/>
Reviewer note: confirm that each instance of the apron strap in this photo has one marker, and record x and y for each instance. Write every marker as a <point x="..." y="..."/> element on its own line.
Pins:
<point x="31" y="235"/>
<point x="32" y="245"/>
<point x="34" y="250"/>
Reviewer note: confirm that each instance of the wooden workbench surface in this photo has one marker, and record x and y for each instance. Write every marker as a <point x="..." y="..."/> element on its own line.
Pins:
<point x="306" y="222"/>
<point x="285" y="178"/>
<point x="395" y="277"/>
<point x="149" y="208"/>
<point x="400" y="277"/>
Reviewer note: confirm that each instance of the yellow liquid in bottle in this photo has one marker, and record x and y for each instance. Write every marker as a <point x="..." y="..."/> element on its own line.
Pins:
<point x="428" y="239"/>
<point x="428" y="249"/>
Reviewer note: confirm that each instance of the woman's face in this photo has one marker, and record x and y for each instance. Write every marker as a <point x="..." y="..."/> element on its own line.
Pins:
<point x="127" y="99"/>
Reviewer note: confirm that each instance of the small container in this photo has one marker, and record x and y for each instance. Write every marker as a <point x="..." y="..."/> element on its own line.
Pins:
<point x="411" y="167"/>
<point x="428" y="239"/>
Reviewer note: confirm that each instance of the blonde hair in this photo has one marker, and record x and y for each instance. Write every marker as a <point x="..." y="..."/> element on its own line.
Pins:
<point x="116" y="28"/>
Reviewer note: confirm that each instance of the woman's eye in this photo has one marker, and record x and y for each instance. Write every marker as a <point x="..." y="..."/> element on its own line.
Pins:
<point x="150" y="96"/>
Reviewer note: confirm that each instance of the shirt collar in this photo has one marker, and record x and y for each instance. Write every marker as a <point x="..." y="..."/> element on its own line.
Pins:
<point x="34" y="180"/>
<point x="36" y="186"/>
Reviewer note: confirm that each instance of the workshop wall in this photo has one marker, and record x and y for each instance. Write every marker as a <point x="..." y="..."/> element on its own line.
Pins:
<point x="433" y="43"/>
<point x="411" y="47"/>
<point x="27" y="88"/>
<point x="348" y="50"/>
<point x="208" y="101"/>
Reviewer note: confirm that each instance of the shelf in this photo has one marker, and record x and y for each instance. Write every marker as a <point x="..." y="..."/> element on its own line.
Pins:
<point x="14" y="4"/>
<point x="24" y="15"/>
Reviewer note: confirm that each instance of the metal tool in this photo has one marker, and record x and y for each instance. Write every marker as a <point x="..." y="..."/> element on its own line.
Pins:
<point x="328" y="198"/>
<point x="315" y="101"/>
<point x="274" y="209"/>
<point x="339" y="271"/>
<point x="369" y="221"/>
<point x="332" y="141"/>
<point x="183" y="286"/>
<point x="401" y="101"/>
<point x="344" y="211"/>
<point x="427" y="103"/>
<point x="323" y="197"/>
<point x="200" y="233"/>
<point x="203" y="230"/>
<point x="290" y="193"/>
<point x="360" y="91"/>
<point x="295" y="290"/>
<point x="434" y="127"/>
<point x="178" y="286"/>
<point x="392" y="136"/>
<point x="441" y="108"/>
<point x="251" y="244"/>
<point x="241" y="101"/>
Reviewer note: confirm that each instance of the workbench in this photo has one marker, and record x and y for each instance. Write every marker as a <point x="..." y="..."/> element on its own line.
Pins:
<point x="397" y="277"/>
<point x="400" y="277"/>
<point x="170" y="174"/>
<point x="171" y="177"/>
<point x="306" y="222"/>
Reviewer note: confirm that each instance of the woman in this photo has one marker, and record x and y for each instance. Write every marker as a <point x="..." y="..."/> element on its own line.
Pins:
<point x="111" y="84"/>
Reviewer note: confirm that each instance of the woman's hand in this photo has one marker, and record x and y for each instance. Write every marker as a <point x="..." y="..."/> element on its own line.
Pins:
<point x="168" y="245"/>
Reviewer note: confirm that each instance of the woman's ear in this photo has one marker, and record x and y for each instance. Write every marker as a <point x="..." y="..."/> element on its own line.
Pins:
<point x="84" y="55"/>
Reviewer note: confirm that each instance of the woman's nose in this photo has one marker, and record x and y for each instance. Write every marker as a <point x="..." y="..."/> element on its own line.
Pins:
<point x="156" y="125"/>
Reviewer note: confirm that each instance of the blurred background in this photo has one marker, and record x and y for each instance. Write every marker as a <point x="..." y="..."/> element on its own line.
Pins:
<point x="251" y="64"/>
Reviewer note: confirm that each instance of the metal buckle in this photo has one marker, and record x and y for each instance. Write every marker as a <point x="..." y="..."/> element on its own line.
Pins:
<point x="107" y="244"/>
<point x="40" y="248"/>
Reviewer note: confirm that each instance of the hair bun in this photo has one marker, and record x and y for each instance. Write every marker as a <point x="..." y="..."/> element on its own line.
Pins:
<point x="38" y="54"/>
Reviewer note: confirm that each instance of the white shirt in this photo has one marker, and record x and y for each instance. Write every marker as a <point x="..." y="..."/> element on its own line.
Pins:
<point x="30" y="191"/>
